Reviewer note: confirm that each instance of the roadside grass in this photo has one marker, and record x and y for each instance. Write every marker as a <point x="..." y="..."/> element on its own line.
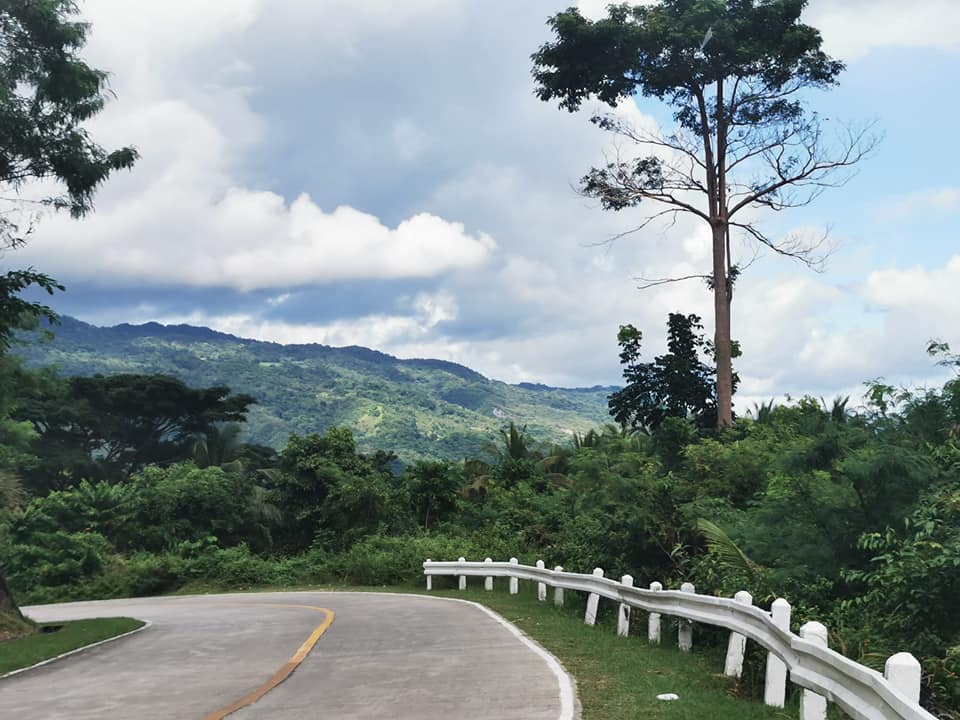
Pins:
<point x="49" y="642"/>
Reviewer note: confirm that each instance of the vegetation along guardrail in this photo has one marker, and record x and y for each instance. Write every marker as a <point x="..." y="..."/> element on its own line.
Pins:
<point x="861" y="692"/>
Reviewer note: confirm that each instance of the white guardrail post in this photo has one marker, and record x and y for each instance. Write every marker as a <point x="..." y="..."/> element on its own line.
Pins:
<point x="557" y="590"/>
<point x="685" y="630"/>
<point x="462" y="579"/>
<point x="488" y="580"/>
<point x="514" y="583"/>
<point x="429" y="579"/>
<point x="775" y="685"/>
<point x="593" y="600"/>
<point x="623" y="618"/>
<point x="541" y="587"/>
<point x="653" y="620"/>
<point x="904" y="673"/>
<point x="813" y="706"/>
<point x="737" y="645"/>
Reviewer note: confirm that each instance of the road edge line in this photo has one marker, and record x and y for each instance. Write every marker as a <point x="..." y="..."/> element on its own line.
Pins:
<point x="82" y="648"/>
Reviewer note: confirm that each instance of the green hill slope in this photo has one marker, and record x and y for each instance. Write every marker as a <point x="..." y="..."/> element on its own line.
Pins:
<point x="417" y="408"/>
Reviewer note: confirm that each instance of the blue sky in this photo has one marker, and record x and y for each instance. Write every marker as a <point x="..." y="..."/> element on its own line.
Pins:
<point x="378" y="173"/>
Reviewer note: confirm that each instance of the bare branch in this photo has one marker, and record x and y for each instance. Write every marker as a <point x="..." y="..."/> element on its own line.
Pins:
<point x="648" y="283"/>
<point x="676" y="142"/>
<point x="646" y="222"/>
<point x="812" y="254"/>
<point x="805" y="163"/>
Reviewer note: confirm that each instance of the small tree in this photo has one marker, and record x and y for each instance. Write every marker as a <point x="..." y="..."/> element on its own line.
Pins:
<point x="676" y="385"/>
<point x="735" y="73"/>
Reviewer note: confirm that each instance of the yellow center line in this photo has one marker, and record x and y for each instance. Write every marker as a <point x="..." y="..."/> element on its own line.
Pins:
<point x="284" y="672"/>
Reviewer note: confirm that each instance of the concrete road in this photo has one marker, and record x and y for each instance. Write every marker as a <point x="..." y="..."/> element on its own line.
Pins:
<point x="383" y="656"/>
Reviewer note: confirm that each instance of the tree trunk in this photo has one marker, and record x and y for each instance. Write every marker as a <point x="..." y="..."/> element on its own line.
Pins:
<point x="721" y="338"/>
<point x="8" y="604"/>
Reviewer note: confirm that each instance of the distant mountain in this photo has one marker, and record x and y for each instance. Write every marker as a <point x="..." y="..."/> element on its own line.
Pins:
<point x="417" y="408"/>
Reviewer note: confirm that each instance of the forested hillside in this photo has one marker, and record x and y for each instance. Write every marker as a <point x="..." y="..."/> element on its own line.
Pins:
<point x="415" y="408"/>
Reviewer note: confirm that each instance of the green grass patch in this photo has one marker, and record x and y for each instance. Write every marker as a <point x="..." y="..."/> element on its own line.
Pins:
<point x="49" y="642"/>
<point x="620" y="678"/>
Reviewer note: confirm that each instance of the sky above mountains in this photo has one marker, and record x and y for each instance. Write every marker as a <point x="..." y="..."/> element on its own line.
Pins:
<point x="380" y="173"/>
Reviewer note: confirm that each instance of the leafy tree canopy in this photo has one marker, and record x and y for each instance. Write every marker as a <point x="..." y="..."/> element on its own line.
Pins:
<point x="676" y="385"/>
<point x="46" y="93"/>
<point x="112" y="426"/>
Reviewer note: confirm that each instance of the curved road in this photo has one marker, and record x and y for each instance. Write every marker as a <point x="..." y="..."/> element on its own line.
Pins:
<point x="394" y="656"/>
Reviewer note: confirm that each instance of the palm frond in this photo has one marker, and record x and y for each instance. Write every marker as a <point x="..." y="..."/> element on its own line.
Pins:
<point x="727" y="552"/>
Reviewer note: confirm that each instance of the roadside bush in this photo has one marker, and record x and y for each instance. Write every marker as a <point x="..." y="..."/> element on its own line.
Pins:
<point x="230" y="567"/>
<point x="56" y="558"/>
<point x="381" y="560"/>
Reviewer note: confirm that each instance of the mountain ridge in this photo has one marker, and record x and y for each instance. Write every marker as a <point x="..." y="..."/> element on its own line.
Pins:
<point x="425" y="407"/>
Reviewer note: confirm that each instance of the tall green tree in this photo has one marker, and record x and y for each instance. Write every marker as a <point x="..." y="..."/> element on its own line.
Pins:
<point x="47" y="92"/>
<point x="110" y="427"/>
<point x="327" y="492"/>
<point x="735" y="73"/>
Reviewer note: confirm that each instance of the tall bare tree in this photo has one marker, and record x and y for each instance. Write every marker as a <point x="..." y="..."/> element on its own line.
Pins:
<point x="736" y="74"/>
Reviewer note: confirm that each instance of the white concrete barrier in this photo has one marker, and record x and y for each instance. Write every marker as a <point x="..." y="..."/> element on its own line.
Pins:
<point x="862" y="693"/>
<point x="653" y="620"/>
<point x="775" y="684"/>
<point x="737" y="645"/>
<point x="685" y="626"/>
<point x="593" y="602"/>
<point x="623" y="617"/>
<point x="812" y="705"/>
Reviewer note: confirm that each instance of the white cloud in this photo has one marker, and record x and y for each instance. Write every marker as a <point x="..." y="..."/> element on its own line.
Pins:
<point x="852" y="28"/>
<point x="174" y="234"/>
<point x="944" y="199"/>
<point x="185" y="215"/>
<point x="377" y="330"/>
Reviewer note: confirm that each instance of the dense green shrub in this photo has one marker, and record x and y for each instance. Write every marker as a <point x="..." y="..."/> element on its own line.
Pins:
<point x="380" y="560"/>
<point x="56" y="558"/>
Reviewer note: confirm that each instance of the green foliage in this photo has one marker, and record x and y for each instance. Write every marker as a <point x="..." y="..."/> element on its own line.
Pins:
<point x="383" y="560"/>
<point x="15" y="312"/>
<point x="327" y="492"/>
<point x="47" y="93"/>
<point x="434" y="491"/>
<point x="112" y="426"/>
<point x="185" y="503"/>
<point x="674" y="385"/>
<point x="650" y="49"/>
<point x="56" y="558"/>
